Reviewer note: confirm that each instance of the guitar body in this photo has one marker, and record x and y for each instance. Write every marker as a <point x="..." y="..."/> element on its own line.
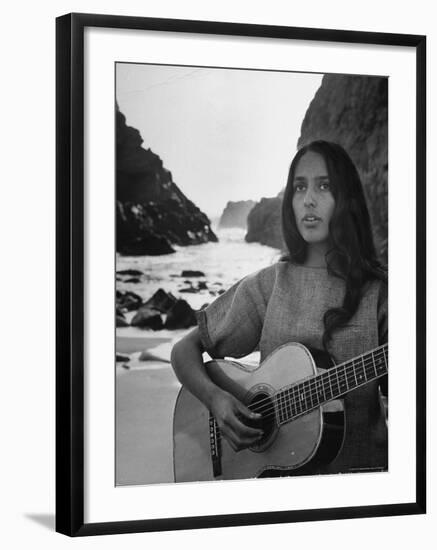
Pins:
<point x="200" y="454"/>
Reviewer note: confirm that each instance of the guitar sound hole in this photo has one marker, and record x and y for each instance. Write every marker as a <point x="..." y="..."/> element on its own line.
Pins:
<point x="261" y="403"/>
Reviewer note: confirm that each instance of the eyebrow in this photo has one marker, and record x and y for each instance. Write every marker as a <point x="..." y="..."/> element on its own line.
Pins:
<point x="303" y="178"/>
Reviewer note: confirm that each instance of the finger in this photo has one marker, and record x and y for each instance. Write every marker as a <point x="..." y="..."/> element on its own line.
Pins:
<point x="232" y="439"/>
<point x="247" y="413"/>
<point x="241" y="430"/>
<point x="240" y="442"/>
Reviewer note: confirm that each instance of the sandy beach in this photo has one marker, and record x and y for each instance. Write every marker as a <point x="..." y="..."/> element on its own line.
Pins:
<point x="146" y="393"/>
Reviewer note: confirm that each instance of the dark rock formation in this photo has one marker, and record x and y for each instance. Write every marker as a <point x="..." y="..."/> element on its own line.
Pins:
<point x="181" y="315"/>
<point x="161" y="301"/>
<point x="192" y="273"/>
<point x="351" y="111"/>
<point x="264" y="223"/>
<point x="147" y="317"/>
<point x="152" y="213"/>
<point x="130" y="272"/>
<point x="235" y="214"/>
<point x="120" y="321"/>
<point x="127" y="301"/>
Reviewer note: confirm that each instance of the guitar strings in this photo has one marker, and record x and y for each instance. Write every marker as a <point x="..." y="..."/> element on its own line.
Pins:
<point x="318" y="385"/>
<point x="347" y="373"/>
<point x="219" y="436"/>
<point x="269" y="401"/>
<point x="338" y="376"/>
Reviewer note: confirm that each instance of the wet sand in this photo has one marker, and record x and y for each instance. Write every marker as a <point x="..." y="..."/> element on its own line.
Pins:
<point x="145" y="397"/>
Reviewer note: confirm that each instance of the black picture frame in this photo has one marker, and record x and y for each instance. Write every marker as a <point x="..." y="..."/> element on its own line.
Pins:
<point x="70" y="489"/>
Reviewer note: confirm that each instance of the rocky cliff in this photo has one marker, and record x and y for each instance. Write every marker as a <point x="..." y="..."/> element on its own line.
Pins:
<point x="235" y="214"/>
<point x="352" y="111"/>
<point x="264" y="223"/>
<point x="152" y="213"/>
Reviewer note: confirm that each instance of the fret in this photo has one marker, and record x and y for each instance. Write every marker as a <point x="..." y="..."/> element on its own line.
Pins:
<point x="283" y="414"/>
<point x="297" y="400"/>
<point x="314" y="395"/>
<point x="278" y="408"/>
<point x="292" y="403"/>
<point x="307" y="391"/>
<point x="289" y="400"/>
<point x="341" y="379"/>
<point x="310" y="394"/>
<point x="360" y="373"/>
<point x="346" y="382"/>
<point x="364" y="368"/>
<point x="325" y="389"/>
<point x="287" y="404"/>
<point x="353" y="370"/>
<point x="384" y="350"/>
<point x="284" y="407"/>
<point x="320" y="390"/>
<point x="330" y="385"/>
<point x="381" y="364"/>
<point x="374" y="366"/>
<point x="302" y="396"/>
<point x="338" y="382"/>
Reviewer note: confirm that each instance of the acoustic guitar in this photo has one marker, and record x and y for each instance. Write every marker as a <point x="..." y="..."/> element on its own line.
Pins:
<point x="290" y="393"/>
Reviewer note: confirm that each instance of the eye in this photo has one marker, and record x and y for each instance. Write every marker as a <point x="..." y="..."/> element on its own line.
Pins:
<point x="299" y="187"/>
<point x="325" y="186"/>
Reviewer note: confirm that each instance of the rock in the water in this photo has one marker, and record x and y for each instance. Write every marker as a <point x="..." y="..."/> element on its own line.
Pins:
<point x="131" y="272"/>
<point x="162" y="301"/>
<point x="181" y="315"/>
<point x="235" y="214"/>
<point x="152" y="212"/>
<point x="121" y="321"/>
<point x="192" y="273"/>
<point x="133" y="280"/>
<point x="127" y="301"/>
<point x="264" y="223"/>
<point x="121" y="358"/>
<point x="147" y="317"/>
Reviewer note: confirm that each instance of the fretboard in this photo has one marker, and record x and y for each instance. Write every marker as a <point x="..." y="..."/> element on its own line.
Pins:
<point x="298" y="399"/>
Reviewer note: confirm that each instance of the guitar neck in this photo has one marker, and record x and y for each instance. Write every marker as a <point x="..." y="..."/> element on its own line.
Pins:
<point x="298" y="399"/>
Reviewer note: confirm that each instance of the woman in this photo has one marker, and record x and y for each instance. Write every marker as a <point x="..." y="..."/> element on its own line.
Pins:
<point x="328" y="293"/>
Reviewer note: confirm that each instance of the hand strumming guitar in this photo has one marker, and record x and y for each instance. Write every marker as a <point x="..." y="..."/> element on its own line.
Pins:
<point x="235" y="420"/>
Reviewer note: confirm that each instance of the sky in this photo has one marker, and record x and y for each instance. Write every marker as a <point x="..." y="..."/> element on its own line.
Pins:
<point x="224" y="134"/>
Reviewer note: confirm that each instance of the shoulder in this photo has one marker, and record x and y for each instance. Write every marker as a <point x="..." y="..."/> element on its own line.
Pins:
<point x="267" y="278"/>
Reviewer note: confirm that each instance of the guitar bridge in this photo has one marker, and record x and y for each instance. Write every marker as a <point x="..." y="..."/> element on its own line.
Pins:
<point x="215" y="446"/>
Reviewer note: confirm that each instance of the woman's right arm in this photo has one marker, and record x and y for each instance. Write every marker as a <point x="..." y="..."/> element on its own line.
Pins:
<point x="232" y="416"/>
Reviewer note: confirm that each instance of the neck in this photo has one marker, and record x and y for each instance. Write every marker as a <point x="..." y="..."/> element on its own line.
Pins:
<point x="316" y="255"/>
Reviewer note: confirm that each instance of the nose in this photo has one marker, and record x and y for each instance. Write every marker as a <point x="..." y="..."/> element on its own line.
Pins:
<point x="309" y="198"/>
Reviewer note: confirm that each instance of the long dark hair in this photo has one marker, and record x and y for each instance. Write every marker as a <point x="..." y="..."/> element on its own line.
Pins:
<point x="352" y="255"/>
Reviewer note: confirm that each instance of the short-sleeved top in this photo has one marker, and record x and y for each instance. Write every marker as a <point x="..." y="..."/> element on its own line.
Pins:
<point x="285" y="303"/>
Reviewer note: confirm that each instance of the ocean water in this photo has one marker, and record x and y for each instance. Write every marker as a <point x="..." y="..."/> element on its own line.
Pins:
<point x="223" y="264"/>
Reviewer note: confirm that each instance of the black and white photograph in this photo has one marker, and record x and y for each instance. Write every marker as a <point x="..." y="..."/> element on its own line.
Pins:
<point x="251" y="280"/>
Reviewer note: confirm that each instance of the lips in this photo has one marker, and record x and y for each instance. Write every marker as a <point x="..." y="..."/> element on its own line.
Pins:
<point x="311" y="218"/>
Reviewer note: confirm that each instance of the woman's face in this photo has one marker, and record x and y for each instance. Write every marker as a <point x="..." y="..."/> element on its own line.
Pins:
<point x="313" y="201"/>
